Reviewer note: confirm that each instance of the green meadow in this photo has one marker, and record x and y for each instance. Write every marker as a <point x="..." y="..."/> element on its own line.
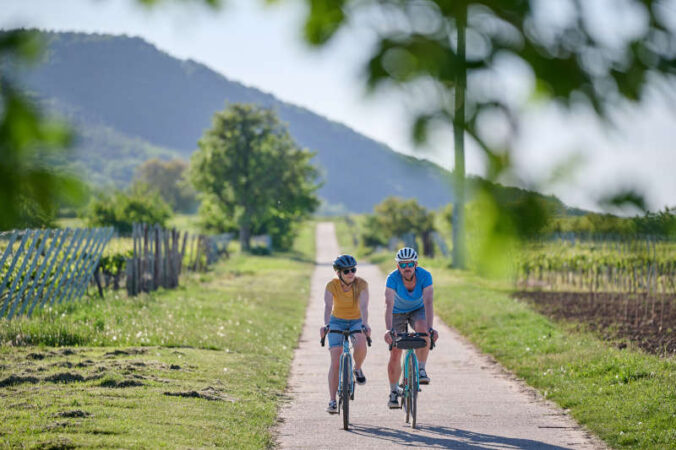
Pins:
<point x="623" y="395"/>
<point x="202" y="365"/>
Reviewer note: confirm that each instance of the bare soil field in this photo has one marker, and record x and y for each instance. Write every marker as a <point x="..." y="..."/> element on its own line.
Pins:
<point x="649" y="322"/>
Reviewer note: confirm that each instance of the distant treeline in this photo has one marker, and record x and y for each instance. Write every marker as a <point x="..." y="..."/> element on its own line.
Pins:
<point x="661" y="223"/>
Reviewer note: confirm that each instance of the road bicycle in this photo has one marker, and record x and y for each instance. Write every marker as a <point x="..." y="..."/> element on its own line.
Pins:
<point x="410" y="381"/>
<point x="345" y="374"/>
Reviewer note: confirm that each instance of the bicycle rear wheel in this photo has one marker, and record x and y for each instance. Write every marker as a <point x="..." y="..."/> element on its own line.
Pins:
<point x="345" y="392"/>
<point x="413" y="391"/>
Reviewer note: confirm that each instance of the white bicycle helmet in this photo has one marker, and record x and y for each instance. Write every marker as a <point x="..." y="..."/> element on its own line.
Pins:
<point x="406" y="254"/>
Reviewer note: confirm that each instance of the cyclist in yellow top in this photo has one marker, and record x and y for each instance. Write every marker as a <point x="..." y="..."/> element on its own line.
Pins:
<point x="346" y="301"/>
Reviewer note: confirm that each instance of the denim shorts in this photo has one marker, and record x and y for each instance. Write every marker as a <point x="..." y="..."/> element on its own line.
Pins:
<point x="399" y="321"/>
<point x="336" y="340"/>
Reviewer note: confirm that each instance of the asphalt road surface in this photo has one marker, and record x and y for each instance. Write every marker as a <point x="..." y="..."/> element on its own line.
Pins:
<point x="471" y="402"/>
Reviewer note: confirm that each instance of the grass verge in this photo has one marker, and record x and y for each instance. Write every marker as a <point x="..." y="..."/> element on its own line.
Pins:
<point x="625" y="396"/>
<point x="203" y="365"/>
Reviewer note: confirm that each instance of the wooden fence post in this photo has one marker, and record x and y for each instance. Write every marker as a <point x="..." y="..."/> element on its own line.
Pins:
<point x="92" y="263"/>
<point x="79" y="262"/>
<point x="8" y="275"/>
<point x="67" y="274"/>
<point x="49" y="261"/>
<point x="42" y="237"/>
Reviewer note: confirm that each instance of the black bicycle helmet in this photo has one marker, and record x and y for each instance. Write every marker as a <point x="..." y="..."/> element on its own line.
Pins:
<point x="344" y="262"/>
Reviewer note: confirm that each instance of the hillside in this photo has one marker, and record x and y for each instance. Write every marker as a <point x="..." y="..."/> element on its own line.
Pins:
<point x="130" y="101"/>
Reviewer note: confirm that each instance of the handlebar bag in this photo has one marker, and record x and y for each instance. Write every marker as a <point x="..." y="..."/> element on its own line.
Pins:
<point x="406" y="343"/>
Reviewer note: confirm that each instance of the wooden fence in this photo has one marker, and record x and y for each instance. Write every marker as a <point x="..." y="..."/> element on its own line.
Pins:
<point x="160" y="255"/>
<point x="43" y="267"/>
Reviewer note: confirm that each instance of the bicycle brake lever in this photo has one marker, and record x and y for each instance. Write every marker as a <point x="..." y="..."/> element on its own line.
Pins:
<point x="368" y="338"/>
<point x="321" y="341"/>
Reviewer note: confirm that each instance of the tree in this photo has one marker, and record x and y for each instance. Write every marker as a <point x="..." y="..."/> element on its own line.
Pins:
<point x="421" y="45"/>
<point x="168" y="178"/>
<point x="661" y="223"/>
<point x="394" y="217"/>
<point x="249" y="165"/>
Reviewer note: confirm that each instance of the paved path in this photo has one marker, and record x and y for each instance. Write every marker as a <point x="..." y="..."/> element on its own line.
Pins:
<point x="471" y="402"/>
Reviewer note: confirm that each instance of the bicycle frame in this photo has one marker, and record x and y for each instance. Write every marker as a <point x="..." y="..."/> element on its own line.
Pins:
<point x="346" y="358"/>
<point x="410" y="370"/>
<point x="345" y="374"/>
<point x="410" y="353"/>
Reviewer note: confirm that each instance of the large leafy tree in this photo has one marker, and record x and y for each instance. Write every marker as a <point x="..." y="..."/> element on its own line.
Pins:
<point x="439" y="47"/>
<point x="248" y="164"/>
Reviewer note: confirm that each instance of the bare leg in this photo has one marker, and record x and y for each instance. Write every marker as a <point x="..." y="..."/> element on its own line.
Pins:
<point x="422" y="353"/>
<point x="333" y="371"/>
<point x="359" y="350"/>
<point x="394" y="366"/>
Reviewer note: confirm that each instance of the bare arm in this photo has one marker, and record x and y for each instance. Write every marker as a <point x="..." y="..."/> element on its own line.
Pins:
<point x="389" y="307"/>
<point x="428" y="301"/>
<point x="364" y="307"/>
<point x="328" y="306"/>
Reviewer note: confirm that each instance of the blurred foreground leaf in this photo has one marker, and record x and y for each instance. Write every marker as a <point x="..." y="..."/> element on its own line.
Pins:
<point x="30" y="189"/>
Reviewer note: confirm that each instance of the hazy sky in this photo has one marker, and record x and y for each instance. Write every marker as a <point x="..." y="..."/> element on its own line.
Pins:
<point x="261" y="47"/>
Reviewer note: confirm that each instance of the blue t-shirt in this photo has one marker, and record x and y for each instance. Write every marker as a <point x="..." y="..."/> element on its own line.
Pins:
<point x="405" y="301"/>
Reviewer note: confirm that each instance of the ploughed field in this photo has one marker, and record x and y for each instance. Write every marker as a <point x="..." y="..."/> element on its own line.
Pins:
<point x="650" y="323"/>
<point x="625" y="290"/>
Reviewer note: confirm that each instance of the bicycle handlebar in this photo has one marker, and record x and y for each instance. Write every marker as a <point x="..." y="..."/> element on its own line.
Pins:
<point x="345" y="333"/>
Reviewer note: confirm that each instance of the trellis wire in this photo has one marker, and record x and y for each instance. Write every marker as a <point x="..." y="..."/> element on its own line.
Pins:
<point x="47" y="266"/>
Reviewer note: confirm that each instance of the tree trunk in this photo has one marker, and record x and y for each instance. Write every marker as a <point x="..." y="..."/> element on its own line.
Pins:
<point x="428" y="244"/>
<point x="458" y="218"/>
<point x="245" y="237"/>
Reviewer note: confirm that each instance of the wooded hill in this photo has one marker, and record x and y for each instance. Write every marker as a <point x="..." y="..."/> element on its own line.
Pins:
<point x="130" y="102"/>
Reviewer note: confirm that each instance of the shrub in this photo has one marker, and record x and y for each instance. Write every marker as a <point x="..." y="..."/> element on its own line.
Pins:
<point x="124" y="208"/>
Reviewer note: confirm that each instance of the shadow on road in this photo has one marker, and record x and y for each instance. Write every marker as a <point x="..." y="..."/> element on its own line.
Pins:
<point x="445" y="437"/>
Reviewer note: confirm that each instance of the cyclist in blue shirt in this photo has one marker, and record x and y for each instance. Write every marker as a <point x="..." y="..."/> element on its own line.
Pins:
<point x="409" y="298"/>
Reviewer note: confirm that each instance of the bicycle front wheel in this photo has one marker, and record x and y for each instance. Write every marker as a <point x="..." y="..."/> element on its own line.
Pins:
<point x="413" y="391"/>
<point x="345" y="392"/>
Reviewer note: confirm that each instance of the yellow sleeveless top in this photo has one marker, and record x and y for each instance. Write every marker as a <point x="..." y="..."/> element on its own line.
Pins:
<point x="346" y="304"/>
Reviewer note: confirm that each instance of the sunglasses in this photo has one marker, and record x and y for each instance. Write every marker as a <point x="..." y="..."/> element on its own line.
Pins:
<point x="346" y="271"/>
<point x="404" y="265"/>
